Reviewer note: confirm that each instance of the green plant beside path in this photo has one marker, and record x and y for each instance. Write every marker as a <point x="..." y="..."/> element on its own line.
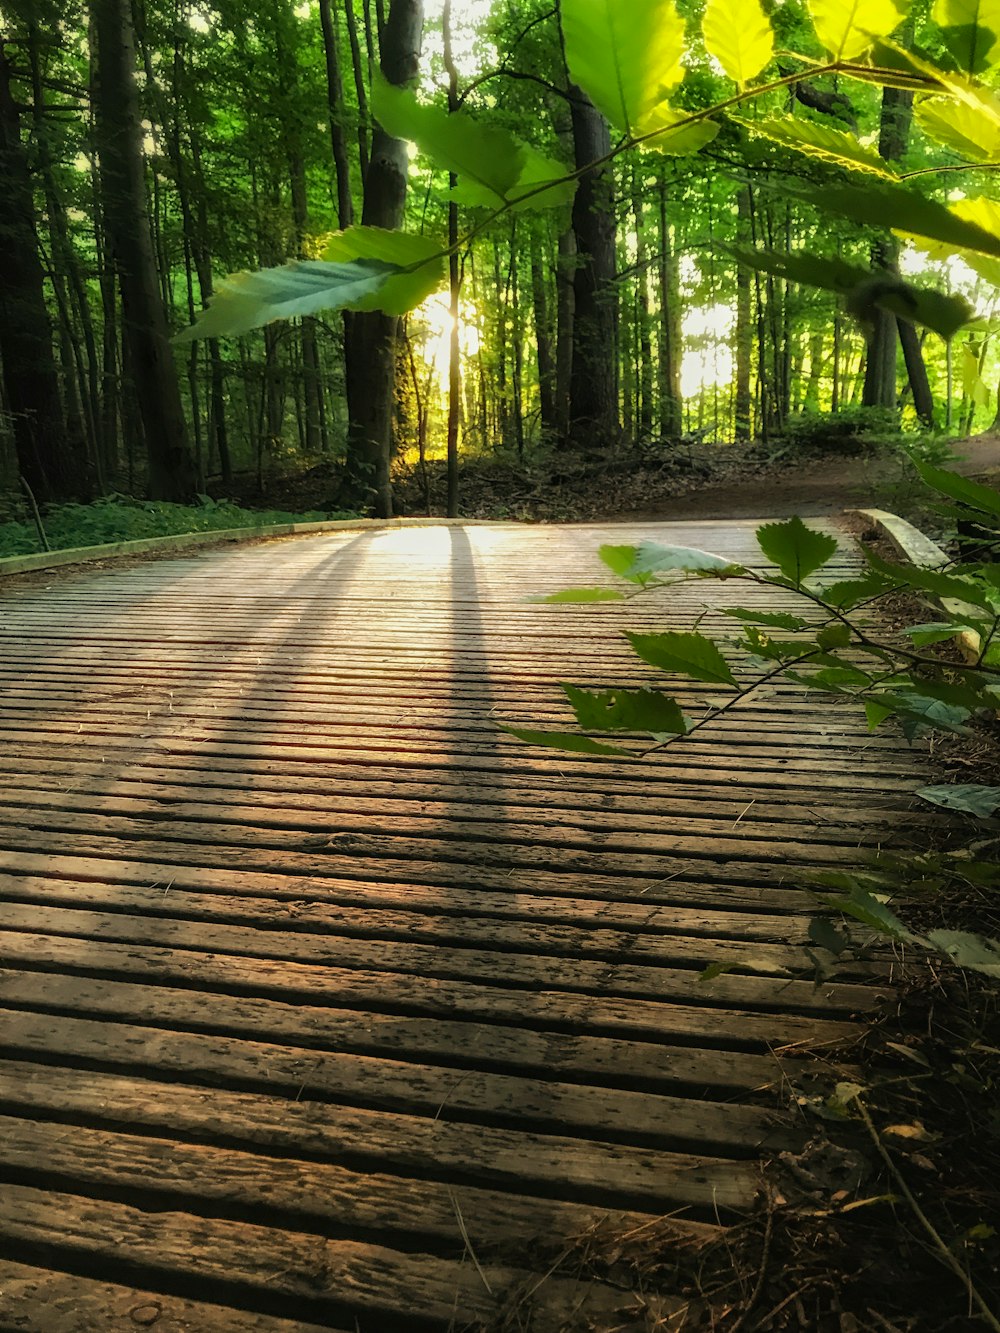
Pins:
<point x="118" y="519"/>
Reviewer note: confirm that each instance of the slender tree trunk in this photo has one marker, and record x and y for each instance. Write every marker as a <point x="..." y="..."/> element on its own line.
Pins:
<point x="359" y="86"/>
<point x="454" y="288"/>
<point x="669" y="340"/>
<point x="645" y="346"/>
<point x="335" y="114"/>
<point x="31" y="380"/>
<point x="543" y="343"/>
<point x="743" y="406"/>
<point x="593" y="409"/>
<point x="171" y="466"/>
<point x="371" y="347"/>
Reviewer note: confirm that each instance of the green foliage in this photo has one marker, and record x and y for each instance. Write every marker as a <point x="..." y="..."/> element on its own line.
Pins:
<point x="566" y="740"/>
<point x="627" y="58"/>
<point x="248" y="301"/>
<point x="686" y="653"/>
<point x="495" y="168"/>
<point x="971" y="494"/>
<point x="626" y="710"/>
<point x="837" y="147"/>
<point x="739" y="34"/>
<point x="847" y="30"/>
<point x="970" y="29"/>
<point x="798" y="551"/>
<point x="119" y="518"/>
<point x="581" y="595"/>
<point x="419" y="258"/>
<point x="969" y="798"/>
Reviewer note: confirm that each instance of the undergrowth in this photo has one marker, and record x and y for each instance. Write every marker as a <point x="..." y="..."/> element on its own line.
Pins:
<point x="119" y="518"/>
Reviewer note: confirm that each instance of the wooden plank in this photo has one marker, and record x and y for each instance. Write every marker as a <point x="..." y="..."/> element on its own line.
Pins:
<point x="323" y="1277"/>
<point x="405" y="1086"/>
<point x="674" y="978"/>
<point x="39" y="1300"/>
<point x="712" y="1015"/>
<point x="604" y="1061"/>
<point x="156" y="1172"/>
<point x="612" y="1176"/>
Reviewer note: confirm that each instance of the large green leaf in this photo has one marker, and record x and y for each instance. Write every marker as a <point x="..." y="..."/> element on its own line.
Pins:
<point x="886" y="205"/>
<point x="651" y="557"/>
<point x="932" y="581"/>
<point x="626" y="710"/>
<point x="970" y="29"/>
<point x="739" y="34"/>
<point x="798" y="551"/>
<point x="967" y="130"/>
<point x="675" y="133"/>
<point x="421" y="256"/>
<point x="820" y="141"/>
<point x="567" y="740"/>
<point x="926" y="306"/>
<point x="581" y="595"/>
<point x="971" y="493"/>
<point x="687" y="653"/>
<point x="626" y="57"/>
<point x="978" y="212"/>
<point x="872" y="911"/>
<point x="968" y="950"/>
<point x="969" y="798"/>
<point x="504" y="168"/>
<point x="248" y="301"/>
<point x="772" y="619"/>
<point x="847" y="28"/>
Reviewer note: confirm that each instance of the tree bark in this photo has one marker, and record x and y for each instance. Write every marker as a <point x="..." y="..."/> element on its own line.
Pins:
<point x="565" y="308"/>
<point x="370" y="351"/>
<point x="671" y="403"/>
<point x="543" y="343"/>
<point x="593" y="407"/>
<point x="171" y="470"/>
<point x="31" y="380"/>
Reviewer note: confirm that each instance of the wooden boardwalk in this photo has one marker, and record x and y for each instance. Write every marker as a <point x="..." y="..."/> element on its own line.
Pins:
<point x="314" y="984"/>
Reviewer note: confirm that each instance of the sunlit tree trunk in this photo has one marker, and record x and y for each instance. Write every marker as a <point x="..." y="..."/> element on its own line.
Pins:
<point x="669" y="348"/>
<point x="170" y="464"/>
<point x="370" y="352"/>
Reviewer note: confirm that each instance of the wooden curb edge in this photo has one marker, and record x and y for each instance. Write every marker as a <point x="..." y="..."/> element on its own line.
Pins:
<point x="918" y="549"/>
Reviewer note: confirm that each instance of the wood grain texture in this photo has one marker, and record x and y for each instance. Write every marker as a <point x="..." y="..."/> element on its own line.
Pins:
<point x="311" y="976"/>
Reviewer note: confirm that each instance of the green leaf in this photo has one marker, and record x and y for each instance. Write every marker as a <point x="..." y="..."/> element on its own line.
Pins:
<point x="626" y="710"/>
<point x="772" y="650"/>
<point x="739" y="34"/>
<point x="931" y="581"/>
<point x="921" y="712"/>
<point x="927" y="306"/>
<point x="833" y="636"/>
<point x="884" y="205"/>
<point x="675" y="133"/>
<point x="825" y="934"/>
<point x="971" y="493"/>
<point x="933" y="632"/>
<point x="687" y="653"/>
<point x="969" y="798"/>
<point x="970" y="29"/>
<point x="966" y="130"/>
<point x="849" y="592"/>
<point x="717" y="970"/>
<point x="772" y="619"/>
<point x="871" y="911"/>
<point x="626" y="57"/>
<point x="847" y="28"/>
<point x="408" y="250"/>
<point x="248" y="301"/>
<point x="567" y="740"/>
<point x="798" y="551"/>
<point x="498" y="163"/>
<point x="581" y="595"/>
<point x="621" y="561"/>
<point x="967" y="950"/>
<point x="820" y="141"/>
<point x="651" y="558"/>
<point x="877" y="710"/>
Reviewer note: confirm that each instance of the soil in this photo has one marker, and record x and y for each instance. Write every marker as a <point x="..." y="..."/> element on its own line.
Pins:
<point x="688" y="482"/>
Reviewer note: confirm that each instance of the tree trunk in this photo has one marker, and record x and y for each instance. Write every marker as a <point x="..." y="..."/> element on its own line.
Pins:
<point x="645" y="346"/>
<point x="171" y="466"/>
<point x="543" y="343"/>
<point x="31" y="381"/>
<point x="669" y="333"/>
<point x="370" y="352"/>
<point x="335" y="114"/>
<point x="593" y="407"/>
<point x="743" y="406"/>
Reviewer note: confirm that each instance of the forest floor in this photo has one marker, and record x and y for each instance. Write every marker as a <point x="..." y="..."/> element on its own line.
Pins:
<point x="690" y="482"/>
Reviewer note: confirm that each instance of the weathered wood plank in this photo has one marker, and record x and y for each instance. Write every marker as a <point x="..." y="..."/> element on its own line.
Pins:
<point x="602" y="1175"/>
